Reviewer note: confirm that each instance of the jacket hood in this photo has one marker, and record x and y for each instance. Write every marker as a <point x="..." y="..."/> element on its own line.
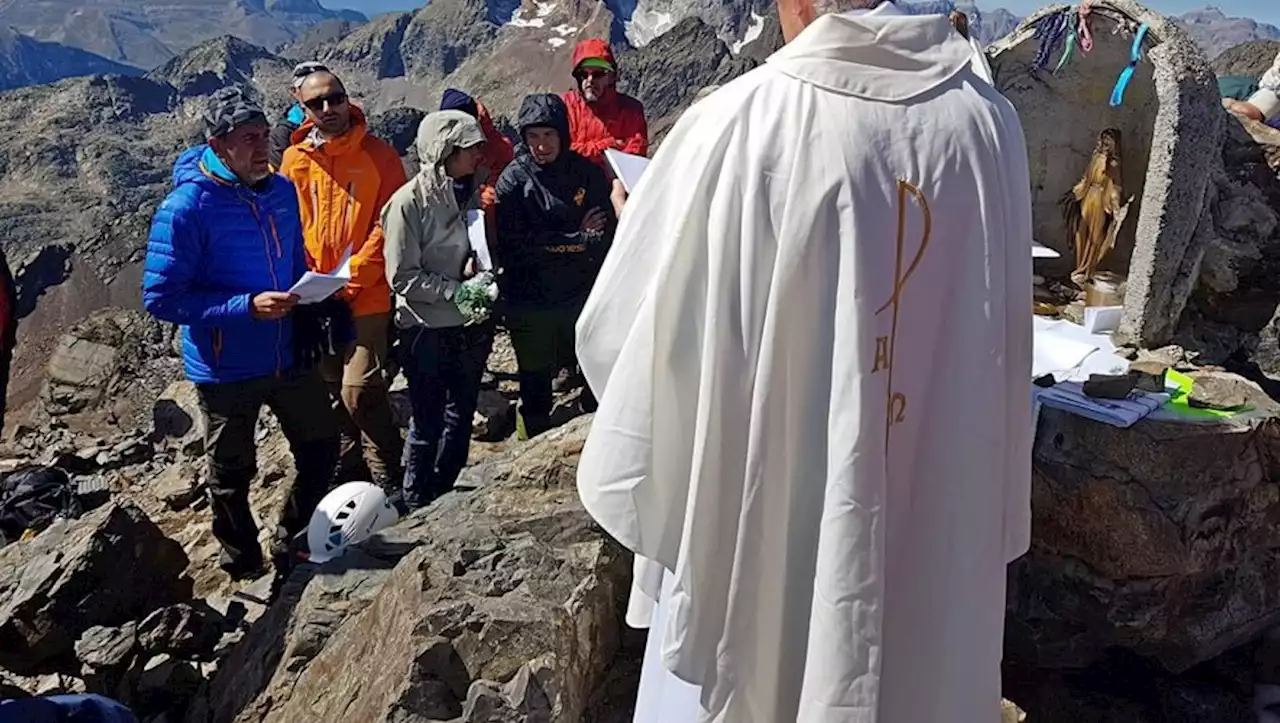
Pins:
<point x="351" y="140"/>
<point x="545" y="110"/>
<point x="442" y="132"/>
<point x="201" y="166"/>
<point x="887" y="57"/>
<point x="593" y="48"/>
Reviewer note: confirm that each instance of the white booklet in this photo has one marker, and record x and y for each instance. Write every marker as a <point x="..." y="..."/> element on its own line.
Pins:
<point x="314" y="287"/>
<point x="1040" y="251"/>
<point x="627" y="167"/>
<point x="479" y="239"/>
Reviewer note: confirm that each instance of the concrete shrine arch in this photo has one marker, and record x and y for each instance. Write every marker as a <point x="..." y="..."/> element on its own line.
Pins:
<point x="1171" y="121"/>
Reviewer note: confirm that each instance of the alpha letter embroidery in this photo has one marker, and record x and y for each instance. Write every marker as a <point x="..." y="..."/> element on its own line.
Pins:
<point x="896" y="402"/>
<point x="882" y="354"/>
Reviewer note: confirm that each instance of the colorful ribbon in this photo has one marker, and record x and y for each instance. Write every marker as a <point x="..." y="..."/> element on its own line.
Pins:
<point x="1070" y="48"/>
<point x="1135" y="56"/>
<point x="1086" y="33"/>
<point x="1049" y="32"/>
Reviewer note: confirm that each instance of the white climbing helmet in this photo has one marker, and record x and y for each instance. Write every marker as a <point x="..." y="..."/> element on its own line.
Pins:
<point x="349" y="514"/>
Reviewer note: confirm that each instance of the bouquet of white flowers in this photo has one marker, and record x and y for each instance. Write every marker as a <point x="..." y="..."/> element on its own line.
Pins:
<point x="476" y="296"/>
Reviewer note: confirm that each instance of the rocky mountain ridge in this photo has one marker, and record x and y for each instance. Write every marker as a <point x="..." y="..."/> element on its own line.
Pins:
<point x="1217" y="32"/>
<point x="145" y="34"/>
<point x="26" y="61"/>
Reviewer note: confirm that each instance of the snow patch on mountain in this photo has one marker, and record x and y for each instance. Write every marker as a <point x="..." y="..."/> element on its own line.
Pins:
<point x="645" y="25"/>
<point x="542" y="10"/>
<point x="754" y="28"/>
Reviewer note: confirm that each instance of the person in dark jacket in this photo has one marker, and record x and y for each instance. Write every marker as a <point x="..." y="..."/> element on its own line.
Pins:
<point x="556" y="218"/>
<point x="282" y="132"/>
<point x="224" y="250"/>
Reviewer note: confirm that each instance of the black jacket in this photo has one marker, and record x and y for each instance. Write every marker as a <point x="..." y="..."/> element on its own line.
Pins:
<point x="282" y="134"/>
<point x="548" y="260"/>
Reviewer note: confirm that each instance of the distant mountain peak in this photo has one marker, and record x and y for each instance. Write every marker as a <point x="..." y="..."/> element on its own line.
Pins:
<point x="146" y="33"/>
<point x="224" y="60"/>
<point x="26" y="61"/>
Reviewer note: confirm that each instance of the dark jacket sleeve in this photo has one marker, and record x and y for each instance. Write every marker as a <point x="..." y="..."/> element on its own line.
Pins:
<point x="281" y="139"/>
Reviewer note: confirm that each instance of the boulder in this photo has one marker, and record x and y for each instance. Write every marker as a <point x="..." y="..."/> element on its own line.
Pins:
<point x="176" y="418"/>
<point x="164" y="683"/>
<point x="78" y="375"/>
<point x="1159" y="540"/>
<point x="108" y="568"/>
<point x="505" y="604"/>
<point x="103" y="647"/>
<point x="184" y="630"/>
<point x="177" y="486"/>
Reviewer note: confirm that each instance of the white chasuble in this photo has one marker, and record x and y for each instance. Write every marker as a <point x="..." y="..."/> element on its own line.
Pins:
<point x="811" y="341"/>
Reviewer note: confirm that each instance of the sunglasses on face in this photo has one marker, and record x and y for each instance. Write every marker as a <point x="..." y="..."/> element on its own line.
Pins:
<point x="592" y="74"/>
<point x="333" y="99"/>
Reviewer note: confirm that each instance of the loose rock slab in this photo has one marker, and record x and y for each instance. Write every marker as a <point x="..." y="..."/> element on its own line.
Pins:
<point x="110" y="567"/>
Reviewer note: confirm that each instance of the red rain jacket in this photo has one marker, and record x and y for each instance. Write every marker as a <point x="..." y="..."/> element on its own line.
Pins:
<point x="615" y="121"/>
<point x="498" y="152"/>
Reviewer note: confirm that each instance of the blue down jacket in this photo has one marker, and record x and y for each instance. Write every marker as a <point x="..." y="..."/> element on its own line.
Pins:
<point x="216" y="243"/>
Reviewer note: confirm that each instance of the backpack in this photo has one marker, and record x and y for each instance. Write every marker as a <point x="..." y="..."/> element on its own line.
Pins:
<point x="31" y="499"/>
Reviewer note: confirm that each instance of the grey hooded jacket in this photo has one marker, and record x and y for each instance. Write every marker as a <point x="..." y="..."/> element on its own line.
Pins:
<point x="426" y="244"/>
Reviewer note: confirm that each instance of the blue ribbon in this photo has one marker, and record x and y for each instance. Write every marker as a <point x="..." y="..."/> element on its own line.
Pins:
<point x="1135" y="56"/>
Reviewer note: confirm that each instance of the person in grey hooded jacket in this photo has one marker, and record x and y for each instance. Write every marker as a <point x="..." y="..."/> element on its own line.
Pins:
<point x="428" y="257"/>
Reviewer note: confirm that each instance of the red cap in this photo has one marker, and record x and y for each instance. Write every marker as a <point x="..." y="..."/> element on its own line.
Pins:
<point x="593" y="49"/>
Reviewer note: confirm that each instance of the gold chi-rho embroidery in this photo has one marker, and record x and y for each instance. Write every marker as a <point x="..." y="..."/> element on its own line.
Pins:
<point x="896" y="402"/>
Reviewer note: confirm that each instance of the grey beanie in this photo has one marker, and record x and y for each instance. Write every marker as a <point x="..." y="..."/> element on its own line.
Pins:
<point x="229" y="109"/>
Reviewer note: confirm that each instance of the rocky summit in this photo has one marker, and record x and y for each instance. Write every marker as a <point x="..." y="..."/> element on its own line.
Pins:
<point x="1150" y="593"/>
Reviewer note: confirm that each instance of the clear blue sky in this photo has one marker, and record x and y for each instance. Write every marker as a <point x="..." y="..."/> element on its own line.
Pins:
<point x="1267" y="11"/>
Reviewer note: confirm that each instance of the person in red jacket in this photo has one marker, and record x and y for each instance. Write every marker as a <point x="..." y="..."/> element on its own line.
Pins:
<point x="600" y="117"/>
<point x="498" y="152"/>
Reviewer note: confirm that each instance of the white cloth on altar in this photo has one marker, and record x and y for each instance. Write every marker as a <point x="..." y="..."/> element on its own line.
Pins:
<point x="811" y="341"/>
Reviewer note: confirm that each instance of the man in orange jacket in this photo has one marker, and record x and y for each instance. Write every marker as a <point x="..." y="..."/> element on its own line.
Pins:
<point x="600" y="117"/>
<point x="344" y="177"/>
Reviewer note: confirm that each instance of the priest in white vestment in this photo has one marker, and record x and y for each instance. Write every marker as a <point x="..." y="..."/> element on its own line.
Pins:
<point x="811" y="341"/>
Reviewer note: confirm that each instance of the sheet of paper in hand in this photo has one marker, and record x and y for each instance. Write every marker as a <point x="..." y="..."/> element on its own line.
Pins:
<point x="627" y="167"/>
<point x="313" y="288"/>
<point x="1040" y="251"/>
<point x="479" y="240"/>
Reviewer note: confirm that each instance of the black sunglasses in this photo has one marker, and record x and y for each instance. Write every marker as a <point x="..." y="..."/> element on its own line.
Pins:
<point x="592" y="73"/>
<point x="333" y="99"/>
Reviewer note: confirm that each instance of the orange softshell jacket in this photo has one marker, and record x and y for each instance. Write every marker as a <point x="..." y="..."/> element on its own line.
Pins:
<point x="342" y="186"/>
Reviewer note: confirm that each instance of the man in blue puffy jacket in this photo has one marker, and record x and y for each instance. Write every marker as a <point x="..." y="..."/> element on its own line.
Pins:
<point x="225" y="247"/>
<point x="65" y="709"/>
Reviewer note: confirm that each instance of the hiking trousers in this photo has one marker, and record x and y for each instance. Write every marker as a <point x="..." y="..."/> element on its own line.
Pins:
<point x="369" y="450"/>
<point x="444" y="368"/>
<point x="543" y="339"/>
<point x="230" y="410"/>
